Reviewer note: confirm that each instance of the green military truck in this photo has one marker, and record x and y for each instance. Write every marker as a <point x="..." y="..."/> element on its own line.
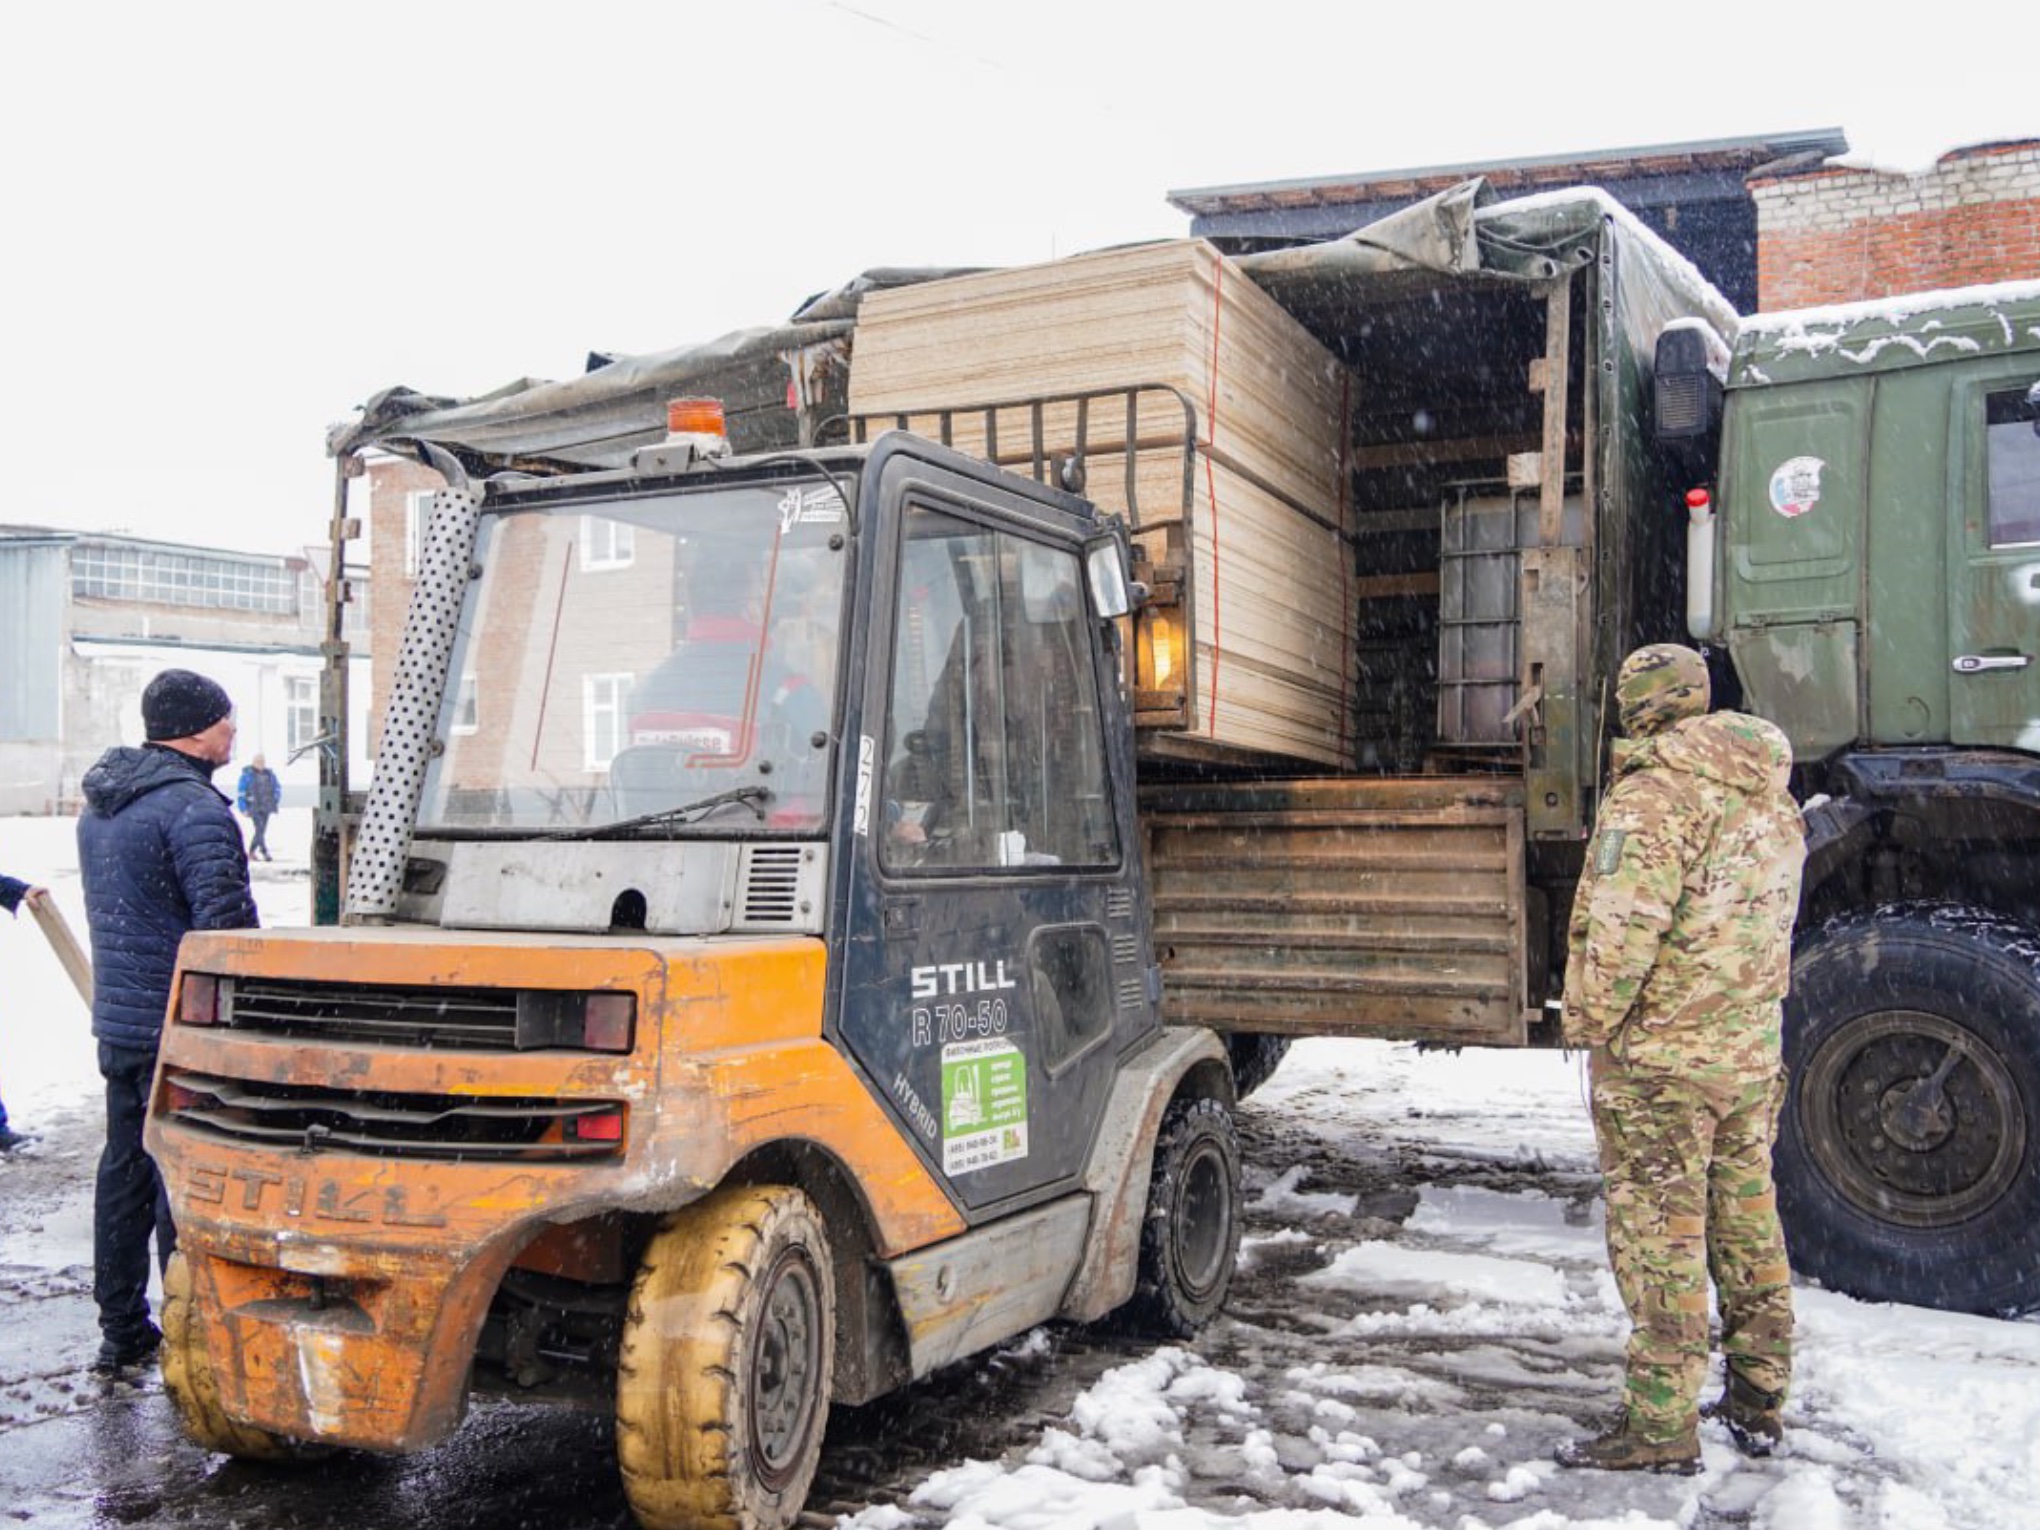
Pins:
<point x="1562" y="443"/>
<point x="1872" y="569"/>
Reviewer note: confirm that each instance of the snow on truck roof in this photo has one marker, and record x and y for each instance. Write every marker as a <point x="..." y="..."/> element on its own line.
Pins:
<point x="1887" y="334"/>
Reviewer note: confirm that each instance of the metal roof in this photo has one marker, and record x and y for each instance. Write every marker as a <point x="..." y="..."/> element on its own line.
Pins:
<point x="1743" y="155"/>
<point x="18" y="534"/>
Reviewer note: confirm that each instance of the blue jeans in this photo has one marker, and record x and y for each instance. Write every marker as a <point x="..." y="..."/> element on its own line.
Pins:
<point x="129" y="1203"/>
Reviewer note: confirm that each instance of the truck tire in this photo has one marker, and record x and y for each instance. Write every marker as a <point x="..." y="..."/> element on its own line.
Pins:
<point x="1908" y="1159"/>
<point x="728" y="1355"/>
<point x="194" y="1390"/>
<point x="1254" y="1057"/>
<point x="1190" y="1233"/>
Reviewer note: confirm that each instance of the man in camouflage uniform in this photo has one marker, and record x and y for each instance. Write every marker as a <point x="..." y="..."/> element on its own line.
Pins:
<point x="1679" y="959"/>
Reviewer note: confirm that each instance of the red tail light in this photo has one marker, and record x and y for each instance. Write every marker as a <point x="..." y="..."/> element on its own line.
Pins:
<point x="177" y="1097"/>
<point x="607" y="1127"/>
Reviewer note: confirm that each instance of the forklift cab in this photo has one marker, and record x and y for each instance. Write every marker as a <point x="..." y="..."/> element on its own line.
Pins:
<point x="994" y="963"/>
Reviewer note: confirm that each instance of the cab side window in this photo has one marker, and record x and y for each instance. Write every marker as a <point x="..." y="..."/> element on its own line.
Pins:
<point x="2012" y="457"/>
<point x="994" y="749"/>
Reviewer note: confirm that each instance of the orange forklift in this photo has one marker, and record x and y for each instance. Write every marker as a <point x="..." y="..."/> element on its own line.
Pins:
<point x="744" y="998"/>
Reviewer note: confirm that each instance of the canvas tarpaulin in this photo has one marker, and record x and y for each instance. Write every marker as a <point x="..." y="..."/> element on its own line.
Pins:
<point x="598" y="419"/>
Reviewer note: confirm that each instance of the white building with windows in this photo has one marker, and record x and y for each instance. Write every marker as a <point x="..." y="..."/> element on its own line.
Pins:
<point x="87" y="619"/>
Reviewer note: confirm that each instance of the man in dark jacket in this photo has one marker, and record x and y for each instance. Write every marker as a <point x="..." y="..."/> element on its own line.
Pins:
<point x="160" y="854"/>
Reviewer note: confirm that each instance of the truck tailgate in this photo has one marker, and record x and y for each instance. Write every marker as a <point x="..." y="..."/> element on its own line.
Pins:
<point x="1342" y="906"/>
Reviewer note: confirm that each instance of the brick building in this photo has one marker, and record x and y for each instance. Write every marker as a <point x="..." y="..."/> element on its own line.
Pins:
<point x="1771" y="220"/>
<point x="1835" y="235"/>
<point x="399" y="501"/>
<point x="553" y="574"/>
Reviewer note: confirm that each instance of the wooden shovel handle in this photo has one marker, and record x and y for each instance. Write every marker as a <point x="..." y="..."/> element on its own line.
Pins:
<point x="57" y="931"/>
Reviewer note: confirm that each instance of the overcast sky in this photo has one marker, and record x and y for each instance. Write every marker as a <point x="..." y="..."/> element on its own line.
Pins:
<point x="229" y="224"/>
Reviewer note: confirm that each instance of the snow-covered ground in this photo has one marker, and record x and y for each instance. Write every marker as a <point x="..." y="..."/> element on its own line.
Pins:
<point x="47" y="1057"/>
<point x="1423" y="1310"/>
<point x="1435" y="1361"/>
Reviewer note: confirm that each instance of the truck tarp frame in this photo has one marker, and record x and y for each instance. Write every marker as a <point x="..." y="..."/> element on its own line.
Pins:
<point x="595" y="421"/>
<point x="1465" y="231"/>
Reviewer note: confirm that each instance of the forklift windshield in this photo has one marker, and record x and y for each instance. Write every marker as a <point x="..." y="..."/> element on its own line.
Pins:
<point x="621" y="658"/>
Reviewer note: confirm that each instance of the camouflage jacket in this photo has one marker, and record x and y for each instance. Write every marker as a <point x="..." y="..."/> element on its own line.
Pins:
<point x="1681" y="933"/>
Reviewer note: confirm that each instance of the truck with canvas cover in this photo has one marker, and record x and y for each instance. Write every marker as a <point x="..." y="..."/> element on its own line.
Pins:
<point x="1557" y="444"/>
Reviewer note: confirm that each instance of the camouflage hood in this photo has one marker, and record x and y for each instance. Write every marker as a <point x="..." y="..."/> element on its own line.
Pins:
<point x="1744" y="753"/>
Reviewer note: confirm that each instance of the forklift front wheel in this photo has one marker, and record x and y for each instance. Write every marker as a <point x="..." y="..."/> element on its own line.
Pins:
<point x="722" y="1382"/>
<point x="1190" y="1238"/>
<point x="194" y="1389"/>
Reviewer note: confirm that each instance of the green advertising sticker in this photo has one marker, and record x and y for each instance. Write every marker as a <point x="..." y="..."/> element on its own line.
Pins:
<point x="984" y="1105"/>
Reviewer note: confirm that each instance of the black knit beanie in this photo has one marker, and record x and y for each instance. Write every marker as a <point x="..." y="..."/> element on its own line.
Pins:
<point x="179" y="703"/>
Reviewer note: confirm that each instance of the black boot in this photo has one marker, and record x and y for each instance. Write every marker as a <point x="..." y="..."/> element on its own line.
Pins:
<point x="1755" y="1418"/>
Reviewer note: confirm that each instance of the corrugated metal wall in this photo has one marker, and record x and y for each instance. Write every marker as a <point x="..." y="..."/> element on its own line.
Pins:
<point x="32" y="579"/>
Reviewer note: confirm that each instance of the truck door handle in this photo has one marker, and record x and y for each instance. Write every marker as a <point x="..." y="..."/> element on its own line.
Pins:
<point x="1977" y="663"/>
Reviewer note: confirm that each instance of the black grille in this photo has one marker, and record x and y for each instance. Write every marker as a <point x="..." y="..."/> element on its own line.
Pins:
<point x="464" y="1019"/>
<point x="772" y="891"/>
<point x="405" y="1125"/>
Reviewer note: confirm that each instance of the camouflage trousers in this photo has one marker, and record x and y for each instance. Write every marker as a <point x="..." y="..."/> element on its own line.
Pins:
<point x="1687" y="1170"/>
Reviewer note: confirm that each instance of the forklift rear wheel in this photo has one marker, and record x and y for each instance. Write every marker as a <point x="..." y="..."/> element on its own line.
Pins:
<point x="188" y="1378"/>
<point x="1190" y="1237"/>
<point x="722" y="1382"/>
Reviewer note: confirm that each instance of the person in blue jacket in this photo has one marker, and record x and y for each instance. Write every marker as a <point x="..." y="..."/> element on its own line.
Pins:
<point x="257" y="795"/>
<point x="12" y="891"/>
<point x="160" y="854"/>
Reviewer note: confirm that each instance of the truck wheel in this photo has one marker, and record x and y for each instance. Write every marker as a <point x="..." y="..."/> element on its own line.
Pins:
<point x="1190" y="1235"/>
<point x="1254" y="1058"/>
<point x="188" y="1378"/>
<point x="722" y="1381"/>
<point x="1909" y="1149"/>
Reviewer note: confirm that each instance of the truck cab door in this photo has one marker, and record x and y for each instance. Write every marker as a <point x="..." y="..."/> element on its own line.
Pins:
<point x="1994" y="565"/>
<point x="996" y="963"/>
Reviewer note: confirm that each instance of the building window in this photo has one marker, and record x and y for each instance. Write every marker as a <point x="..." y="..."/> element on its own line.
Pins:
<point x="417" y="516"/>
<point x="300" y="712"/>
<point x="166" y="577"/>
<point x="602" y="715"/>
<point x="606" y="543"/>
<point x="2013" y="452"/>
<point x="467" y="710"/>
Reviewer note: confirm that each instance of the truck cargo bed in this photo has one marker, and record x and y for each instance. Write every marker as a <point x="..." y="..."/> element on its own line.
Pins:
<point x="1349" y="906"/>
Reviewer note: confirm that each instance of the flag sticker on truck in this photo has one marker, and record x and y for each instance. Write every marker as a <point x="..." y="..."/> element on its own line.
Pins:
<point x="984" y="1105"/>
<point x="1795" y="486"/>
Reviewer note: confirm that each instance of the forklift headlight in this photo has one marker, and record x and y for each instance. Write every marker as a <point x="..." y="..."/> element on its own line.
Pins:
<point x="596" y="1022"/>
<point x="609" y="1022"/>
<point x="198" y="999"/>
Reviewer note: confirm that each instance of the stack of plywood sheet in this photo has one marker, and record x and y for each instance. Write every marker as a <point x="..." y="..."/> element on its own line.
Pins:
<point x="1255" y="536"/>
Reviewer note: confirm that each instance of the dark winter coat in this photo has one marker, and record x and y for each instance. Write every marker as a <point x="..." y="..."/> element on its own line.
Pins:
<point x="258" y="792"/>
<point x="160" y="854"/>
